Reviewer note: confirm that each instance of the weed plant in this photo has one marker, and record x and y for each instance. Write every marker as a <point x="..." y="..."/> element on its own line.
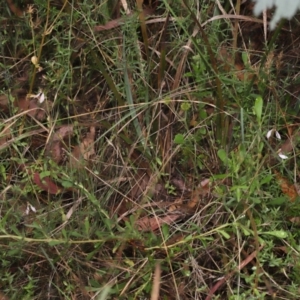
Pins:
<point x="166" y="110"/>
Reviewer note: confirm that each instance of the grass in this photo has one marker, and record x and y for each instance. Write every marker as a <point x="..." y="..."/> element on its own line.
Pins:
<point x="134" y="157"/>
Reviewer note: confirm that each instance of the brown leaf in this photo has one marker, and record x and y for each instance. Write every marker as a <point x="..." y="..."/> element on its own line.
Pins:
<point x="4" y="103"/>
<point x="141" y="180"/>
<point x="176" y="205"/>
<point x="109" y="25"/>
<point x="201" y="191"/>
<point x="229" y="65"/>
<point x="21" y="102"/>
<point x="295" y="220"/>
<point x="34" y="108"/>
<point x="75" y="158"/>
<point x="56" y="152"/>
<point x="3" y="296"/>
<point x="142" y="177"/>
<point x="287" y="188"/>
<point x="290" y="143"/>
<point x="63" y="132"/>
<point x="46" y="184"/>
<point x="55" y="144"/>
<point x="153" y="223"/>
<point x="225" y="58"/>
<point x="14" y="8"/>
<point x="118" y="22"/>
<point x="225" y="278"/>
<point x="85" y="150"/>
<point x="87" y="145"/>
<point x="5" y="134"/>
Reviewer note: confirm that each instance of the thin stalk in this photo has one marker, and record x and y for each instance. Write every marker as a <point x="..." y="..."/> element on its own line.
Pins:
<point x="264" y="58"/>
<point x="108" y="79"/>
<point x="220" y="100"/>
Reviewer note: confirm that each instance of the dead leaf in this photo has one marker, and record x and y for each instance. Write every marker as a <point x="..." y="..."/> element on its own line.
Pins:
<point x="55" y="144"/>
<point x="56" y="152"/>
<point x="225" y="278"/>
<point x="84" y="151"/>
<point x="21" y="103"/>
<point x="196" y="196"/>
<point x="229" y="65"/>
<point x="176" y="205"/>
<point x="141" y="180"/>
<point x="295" y="220"/>
<point x="153" y="223"/>
<point x="118" y="22"/>
<point x="242" y="74"/>
<point x="5" y="134"/>
<point x="290" y="143"/>
<point x="46" y="184"/>
<point x="179" y="205"/>
<point x="87" y="145"/>
<point x="3" y="297"/>
<point x="287" y="188"/>
<point x="179" y="184"/>
<point x="75" y="158"/>
<point x="35" y="109"/>
<point x="199" y="193"/>
<point x="4" y="103"/>
<point x="14" y="8"/>
<point x="142" y="177"/>
<point x="63" y="132"/>
<point x="225" y="58"/>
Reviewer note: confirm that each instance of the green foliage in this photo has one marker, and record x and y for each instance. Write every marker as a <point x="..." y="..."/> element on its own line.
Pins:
<point x="159" y="152"/>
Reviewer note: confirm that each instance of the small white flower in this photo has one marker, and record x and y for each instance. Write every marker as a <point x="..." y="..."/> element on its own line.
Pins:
<point x="41" y="97"/>
<point x="32" y="208"/>
<point x="277" y="134"/>
<point x="281" y="155"/>
<point x="271" y="132"/>
<point x="29" y="208"/>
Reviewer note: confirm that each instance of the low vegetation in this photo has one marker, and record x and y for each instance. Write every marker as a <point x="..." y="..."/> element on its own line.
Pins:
<point x="149" y="150"/>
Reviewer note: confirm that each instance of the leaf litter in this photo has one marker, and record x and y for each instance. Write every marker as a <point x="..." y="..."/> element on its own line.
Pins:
<point x="179" y="209"/>
<point x="147" y="196"/>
